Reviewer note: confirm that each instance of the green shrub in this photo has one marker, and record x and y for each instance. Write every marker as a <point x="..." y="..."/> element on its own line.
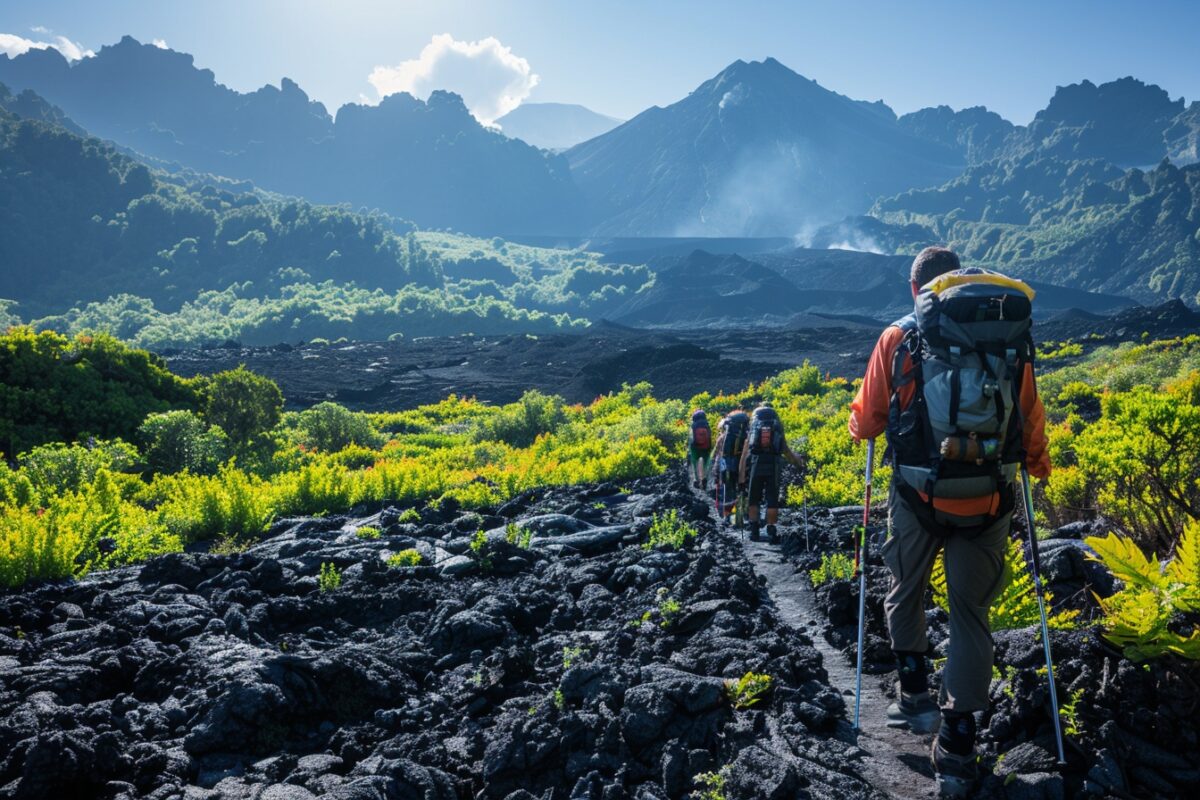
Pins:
<point x="242" y="404"/>
<point x="410" y="515"/>
<point x="516" y="535"/>
<point x="834" y="566"/>
<point x="668" y="530"/>
<point x="329" y="427"/>
<point x="711" y="785"/>
<point x="330" y="578"/>
<point x="367" y="532"/>
<point x="519" y="423"/>
<point x="33" y="547"/>
<point x="668" y="609"/>
<point x="479" y="551"/>
<point x="58" y="468"/>
<point x="405" y="558"/>
<point x="54" y="389"/>
<point x="175" y="441"/>
<point x="1143" y="461"/>
<point x="570" y="654"/>
<point x="230" y="503"/>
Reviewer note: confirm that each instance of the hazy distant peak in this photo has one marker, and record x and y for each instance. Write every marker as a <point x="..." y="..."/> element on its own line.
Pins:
<point x="555" y="126"/>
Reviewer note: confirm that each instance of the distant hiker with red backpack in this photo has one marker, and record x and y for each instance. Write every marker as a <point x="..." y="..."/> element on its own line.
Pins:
<point x="731" y="440"/>
<point x="761" y="469"/>
<point x="699" y="448"/>
<point x="952" y="385"/>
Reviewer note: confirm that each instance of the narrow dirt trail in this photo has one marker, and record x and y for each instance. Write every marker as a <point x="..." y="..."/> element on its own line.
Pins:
<point x="896" y="762"/>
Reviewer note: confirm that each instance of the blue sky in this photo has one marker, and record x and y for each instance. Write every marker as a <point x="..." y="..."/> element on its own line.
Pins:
<point x="621" y="56"/>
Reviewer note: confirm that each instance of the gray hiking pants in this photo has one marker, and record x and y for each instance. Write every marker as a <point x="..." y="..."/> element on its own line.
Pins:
<point x="974" y="575"/>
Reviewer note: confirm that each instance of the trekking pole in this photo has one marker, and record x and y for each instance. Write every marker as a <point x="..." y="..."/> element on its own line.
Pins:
<point x="860" y="564"/>
<point x="1027" y="496"/>
<point x="806" y="547"/>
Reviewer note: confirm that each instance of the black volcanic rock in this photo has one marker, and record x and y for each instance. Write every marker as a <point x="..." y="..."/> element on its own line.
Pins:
<point x="756" y="150"/>
<point x="233" y="676"/>
<point x="431" y="162"/>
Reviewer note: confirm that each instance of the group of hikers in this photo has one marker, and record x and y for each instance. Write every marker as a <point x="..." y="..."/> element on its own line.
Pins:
<point x="951" y="386"/>
<point x="748" y="453"/>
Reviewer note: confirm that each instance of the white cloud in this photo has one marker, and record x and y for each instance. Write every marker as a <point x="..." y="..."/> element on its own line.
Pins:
<point x="14" y="45"/>
<point x="41" y="29"/>
<point x="490" y="78"/>
<point x="161" y="44"/>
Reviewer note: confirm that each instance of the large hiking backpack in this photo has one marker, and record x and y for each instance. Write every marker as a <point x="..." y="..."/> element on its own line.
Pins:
<point x="736" y="425"/>
<point x="766" y="432"/>
<point x="969" y="342"/>
<point x="701" y="433"/>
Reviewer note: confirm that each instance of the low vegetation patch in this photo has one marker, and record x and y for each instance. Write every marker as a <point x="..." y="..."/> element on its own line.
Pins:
<point x="1145" y="617"/>
<point x="834" y="567"/>
<point x="330" y="578"/>
<point x="711" y="785"/>
<point x="748" y="690"/>
<point x="405" y="558"/>
<point x="668" y="530"/>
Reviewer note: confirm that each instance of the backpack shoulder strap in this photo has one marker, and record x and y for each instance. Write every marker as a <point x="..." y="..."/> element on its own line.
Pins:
<point x="910" y="345"/>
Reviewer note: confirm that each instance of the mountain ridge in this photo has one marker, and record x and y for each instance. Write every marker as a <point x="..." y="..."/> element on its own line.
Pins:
<point x="429" y="161"/>
<point x="755" y="150"/>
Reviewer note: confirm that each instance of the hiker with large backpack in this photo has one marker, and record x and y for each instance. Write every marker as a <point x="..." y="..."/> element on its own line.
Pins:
<point x="731" y="440"/>
<point x="761" y="468"/>
<point x="952" y="386"/>
<point x="699" y="448"/>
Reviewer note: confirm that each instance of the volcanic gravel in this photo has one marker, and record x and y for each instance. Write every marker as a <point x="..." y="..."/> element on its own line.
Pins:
<point x="532" y="676"/>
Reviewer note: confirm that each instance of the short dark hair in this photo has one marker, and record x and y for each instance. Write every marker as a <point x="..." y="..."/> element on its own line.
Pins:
<point x="932" y="262"/>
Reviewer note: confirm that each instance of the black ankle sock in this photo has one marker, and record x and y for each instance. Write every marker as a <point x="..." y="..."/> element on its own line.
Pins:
<point x="770" y="530"/>
<point x="957" y="734"/>
<point x="913" y="674"/>
<point x="754" y="527"/>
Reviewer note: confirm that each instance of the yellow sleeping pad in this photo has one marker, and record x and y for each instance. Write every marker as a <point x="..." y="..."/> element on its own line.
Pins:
<point x="978" y="276"/>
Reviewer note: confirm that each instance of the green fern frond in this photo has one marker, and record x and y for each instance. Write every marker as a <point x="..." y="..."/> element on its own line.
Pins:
<point x="1127" y="561"/>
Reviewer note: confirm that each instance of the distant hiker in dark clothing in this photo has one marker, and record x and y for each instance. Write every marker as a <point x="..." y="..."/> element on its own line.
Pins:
<point x="699" y="448"/>
<point x="953" y="387"/>
<point x="761" y="470"/>
<point x="731" y="440"/>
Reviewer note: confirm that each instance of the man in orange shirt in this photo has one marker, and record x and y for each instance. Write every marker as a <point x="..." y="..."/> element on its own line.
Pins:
<point x="973" y="534"/>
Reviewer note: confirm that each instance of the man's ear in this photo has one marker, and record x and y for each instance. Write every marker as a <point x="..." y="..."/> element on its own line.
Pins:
<point x="915" y="289"/>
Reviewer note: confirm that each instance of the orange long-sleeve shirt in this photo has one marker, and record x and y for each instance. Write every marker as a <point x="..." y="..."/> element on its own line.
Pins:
<point x="869" y="415"/>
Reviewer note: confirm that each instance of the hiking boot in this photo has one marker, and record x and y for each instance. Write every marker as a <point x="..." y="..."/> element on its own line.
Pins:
<point x="772" y="535"/>
<point x="695" y="483"/>
<point x="755" y="536"/>
<point x="955" y="774"/>
<point x="917" y="712"/>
